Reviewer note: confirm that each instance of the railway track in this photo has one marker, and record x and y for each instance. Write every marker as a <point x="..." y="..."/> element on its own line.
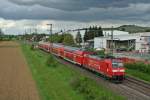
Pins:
<point x="131" y="88"/>
<point x="138" y="85"/>
<point x="133" y="84"/>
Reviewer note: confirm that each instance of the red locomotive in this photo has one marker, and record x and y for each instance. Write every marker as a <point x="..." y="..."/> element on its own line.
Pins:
<point x="111" y="68"/>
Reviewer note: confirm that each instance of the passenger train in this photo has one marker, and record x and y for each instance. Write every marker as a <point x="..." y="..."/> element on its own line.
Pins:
<point x="111" y="68"/>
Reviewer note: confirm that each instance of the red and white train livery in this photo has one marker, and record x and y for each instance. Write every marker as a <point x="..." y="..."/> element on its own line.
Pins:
<point x="109" y="67"/>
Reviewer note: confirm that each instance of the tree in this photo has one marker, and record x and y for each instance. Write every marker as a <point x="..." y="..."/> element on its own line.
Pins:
<point x="1" y="34"/>
<point x="39" y="37"/>
<point x="147" y="30"/>
<point x="100" y="32"/>
<point x="93" y="32"/>
<point x="62" y="38"/>
<point x="86" y="36"/>
<point x="96" y="31"/>
<point x="78" y="38"/>
<point x="56" y="38"/>
<point x="123" y="29"/>
<point x="68" y="39"/>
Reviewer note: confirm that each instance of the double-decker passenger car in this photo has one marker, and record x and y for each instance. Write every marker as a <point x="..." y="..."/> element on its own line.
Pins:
<point x="75" y="55"/>
<point x="57" y="49"/>
<point x="109" y="67"/>
<point x="46" y="46"/>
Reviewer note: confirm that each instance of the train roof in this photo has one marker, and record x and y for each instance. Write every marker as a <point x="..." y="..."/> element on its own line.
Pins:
<point x="73" y="48"/>
<point x="114" y="60"/>
<point x="96" y="57"/>
<point x="46" y="43"/>
<point x="58" y="45"/>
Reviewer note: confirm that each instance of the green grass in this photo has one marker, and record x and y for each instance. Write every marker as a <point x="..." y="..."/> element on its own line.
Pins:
<point x="138" y="74"/>
<point x="139" y="70"/>
<point x="54" y="80"/>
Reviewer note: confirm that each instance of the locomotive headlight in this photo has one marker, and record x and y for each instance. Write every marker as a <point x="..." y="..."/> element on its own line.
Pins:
<point x="115" y="70"/>
<point x="122" y="70"/>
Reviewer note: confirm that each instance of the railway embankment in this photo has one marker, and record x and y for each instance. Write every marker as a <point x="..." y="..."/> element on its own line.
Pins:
<point x="58" y="81"/>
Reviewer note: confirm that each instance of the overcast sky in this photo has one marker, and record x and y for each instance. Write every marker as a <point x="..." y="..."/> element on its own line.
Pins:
<point x="18" y="15"/>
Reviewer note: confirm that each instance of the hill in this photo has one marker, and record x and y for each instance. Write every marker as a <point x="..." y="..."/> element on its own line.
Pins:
<point x="134" y="28"/>
<point x="131" y="28"/>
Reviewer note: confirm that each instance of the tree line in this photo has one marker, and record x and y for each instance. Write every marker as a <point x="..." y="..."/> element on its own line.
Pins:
<point x="93" y="32"/>
<point x="1" y="34"/>
<point x="90" y="33"/>
<point x="66" y="38"/>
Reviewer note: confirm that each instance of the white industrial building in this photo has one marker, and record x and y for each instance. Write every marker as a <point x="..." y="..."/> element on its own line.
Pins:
<point x="105" y="33"/>
<point x="139" y="42"/>
<point x="115" y="32"/>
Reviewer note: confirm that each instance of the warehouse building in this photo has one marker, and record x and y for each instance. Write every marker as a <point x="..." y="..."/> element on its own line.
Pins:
<point x="139" y="42"/>
<point x="105" y="33"/>
<point x="115" y="32"/>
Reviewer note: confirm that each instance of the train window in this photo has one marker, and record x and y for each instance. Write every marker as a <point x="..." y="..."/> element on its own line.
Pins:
<point x="117" y="64"/>
<point x="95" y="57"/>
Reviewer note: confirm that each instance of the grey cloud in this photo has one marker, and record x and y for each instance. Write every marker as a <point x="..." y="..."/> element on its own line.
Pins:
<point x="39" y="12"/>
<point x="93" y="12"/>
<point x="78" y="5"/>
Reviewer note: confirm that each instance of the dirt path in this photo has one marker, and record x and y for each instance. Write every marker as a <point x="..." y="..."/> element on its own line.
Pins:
<point x="16" y="81"/>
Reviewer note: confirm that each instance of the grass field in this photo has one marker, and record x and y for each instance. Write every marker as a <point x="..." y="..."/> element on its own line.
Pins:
<point x="139" y="70"/>
<point x="138" y="74"/>
<point x="58" y="82"/>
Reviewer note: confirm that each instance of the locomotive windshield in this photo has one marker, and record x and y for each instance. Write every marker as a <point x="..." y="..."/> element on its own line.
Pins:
<point x="117" y="64"/>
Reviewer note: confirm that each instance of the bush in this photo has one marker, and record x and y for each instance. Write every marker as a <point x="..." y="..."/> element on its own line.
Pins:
<point x="145" y="68"/>
<point x="81" y="86"/>
<point x="75" y="82"/>
<point x="32" y="47"/>
<point x="51" y="61"/>
<point x="85" y="86"/>
<point x="101" y="52"/>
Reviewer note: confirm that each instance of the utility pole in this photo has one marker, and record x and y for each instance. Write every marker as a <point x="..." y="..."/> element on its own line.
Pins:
<point x="25" y="31"/>
<point x="36" y="30"/>
<point x="30" y="31"/>
<point x="112" y="38"/>
<point x="50" y="30"/>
